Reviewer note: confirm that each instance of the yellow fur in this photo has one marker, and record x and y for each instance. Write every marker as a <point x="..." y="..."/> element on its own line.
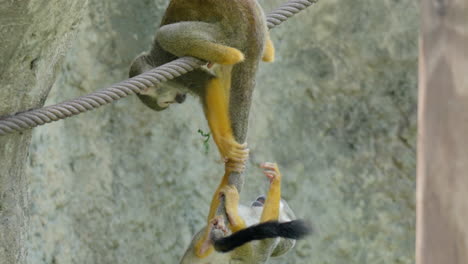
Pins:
<point x="200" y="250"/>
<point x="203" y="250"/>
<point x="216" y="53"/>
<point x="269" y="52"/>
<point x="271" y="206"/>
<point x="228" y="35"/>
<point x="231" y="203"/>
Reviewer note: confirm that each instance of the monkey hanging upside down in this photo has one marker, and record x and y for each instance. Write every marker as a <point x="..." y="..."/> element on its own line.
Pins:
<point x="232" y="37"/>
<point x="265" y="229"/>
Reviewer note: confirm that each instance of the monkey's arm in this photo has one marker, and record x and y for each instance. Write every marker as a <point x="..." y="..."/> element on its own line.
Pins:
<point x="271" y="208"/>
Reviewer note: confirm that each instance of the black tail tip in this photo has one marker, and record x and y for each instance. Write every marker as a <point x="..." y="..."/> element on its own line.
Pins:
<point x="296" y="229"/>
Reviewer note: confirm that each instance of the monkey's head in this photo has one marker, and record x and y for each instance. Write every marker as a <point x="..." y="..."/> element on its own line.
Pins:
<point x="161" y="96"/>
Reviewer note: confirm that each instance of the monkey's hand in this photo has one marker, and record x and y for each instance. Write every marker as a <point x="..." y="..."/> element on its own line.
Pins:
<point x="271" y="171"/>
<point x="235" y="155"/>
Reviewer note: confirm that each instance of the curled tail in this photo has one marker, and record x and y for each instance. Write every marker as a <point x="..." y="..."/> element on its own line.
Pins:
<point x="295" y="229"/>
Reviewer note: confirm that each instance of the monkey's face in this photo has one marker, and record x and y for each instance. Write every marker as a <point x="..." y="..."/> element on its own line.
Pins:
<point x="162" y="96"/>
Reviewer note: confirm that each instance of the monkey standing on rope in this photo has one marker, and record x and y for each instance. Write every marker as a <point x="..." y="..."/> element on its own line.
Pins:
<point x="268" y="220"/>
<point x="232" y="37"/>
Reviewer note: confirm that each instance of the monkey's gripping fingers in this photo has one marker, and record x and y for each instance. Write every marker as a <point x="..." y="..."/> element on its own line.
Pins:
<point x="271" y="171"/>
<point x="234" y="151"/>
<point x="234" y="166"/>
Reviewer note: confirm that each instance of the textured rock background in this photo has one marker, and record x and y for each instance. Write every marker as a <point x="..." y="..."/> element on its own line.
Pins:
<point x="34" y="36"/>
<point x="337" y="111"/>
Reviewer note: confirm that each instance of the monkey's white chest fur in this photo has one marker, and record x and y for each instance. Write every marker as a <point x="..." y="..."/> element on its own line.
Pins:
<point x="261" y="250"/>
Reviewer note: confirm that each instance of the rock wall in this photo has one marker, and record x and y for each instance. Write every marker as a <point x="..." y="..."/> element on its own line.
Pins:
<point x="337" y="111"/>
<point x="34" y="37"/>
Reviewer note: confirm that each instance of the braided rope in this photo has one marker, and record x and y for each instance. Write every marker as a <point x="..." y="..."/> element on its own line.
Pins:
<point x="286" y="11"/>
<point x="29" y="119"/>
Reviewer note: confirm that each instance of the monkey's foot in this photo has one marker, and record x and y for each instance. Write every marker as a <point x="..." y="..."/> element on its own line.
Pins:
<point x="271" y="171"/>
<point x="231" y="201"/>
<point x="235" y="155"/>
<point x="231" y="56"/>
<point x="269" y="52"/>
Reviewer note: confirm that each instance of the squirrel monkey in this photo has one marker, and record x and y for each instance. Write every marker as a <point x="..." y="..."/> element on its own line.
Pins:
<point x="270" y="223"/>
<point x="232" y="37"/>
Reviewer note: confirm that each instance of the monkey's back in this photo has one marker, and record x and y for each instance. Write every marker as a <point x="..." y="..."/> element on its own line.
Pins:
<point x="242" y="21"/>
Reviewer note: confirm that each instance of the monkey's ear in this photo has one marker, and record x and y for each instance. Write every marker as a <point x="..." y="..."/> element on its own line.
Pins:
<point x="140" y="65"/>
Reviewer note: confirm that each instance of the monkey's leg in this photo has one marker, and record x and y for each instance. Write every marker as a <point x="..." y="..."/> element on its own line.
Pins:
<point x="272" y="203"/>
<point x="198" y="39"/>
<point x="269" y="52"/>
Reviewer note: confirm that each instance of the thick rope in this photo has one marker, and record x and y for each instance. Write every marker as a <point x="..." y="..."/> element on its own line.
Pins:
<point x="29" y="119"/>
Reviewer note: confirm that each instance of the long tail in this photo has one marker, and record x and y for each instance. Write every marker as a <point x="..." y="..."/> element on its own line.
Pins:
<point x="295" y="229"/>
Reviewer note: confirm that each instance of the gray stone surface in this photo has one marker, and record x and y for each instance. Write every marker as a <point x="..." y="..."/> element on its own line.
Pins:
<point x="337" y="111"/>
<point x="442" y="233"/>
<point x="34" y="36"/>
